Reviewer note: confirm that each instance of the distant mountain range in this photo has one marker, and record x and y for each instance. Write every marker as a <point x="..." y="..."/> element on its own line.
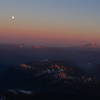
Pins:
<point x="33" y="46"/>
<point x="90" y="45"/>
<point x="84" y="45"/>
<point x="39" y="46"/>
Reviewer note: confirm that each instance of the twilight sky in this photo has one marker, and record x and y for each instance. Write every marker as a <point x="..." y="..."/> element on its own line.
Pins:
<point x="50" y="22"/>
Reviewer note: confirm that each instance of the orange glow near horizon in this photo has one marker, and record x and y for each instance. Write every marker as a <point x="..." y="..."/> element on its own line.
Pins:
<point x="48" y="32"/>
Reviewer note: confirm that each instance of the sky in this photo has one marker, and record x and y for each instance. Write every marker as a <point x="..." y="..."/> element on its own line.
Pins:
<point x="50" y="22"/>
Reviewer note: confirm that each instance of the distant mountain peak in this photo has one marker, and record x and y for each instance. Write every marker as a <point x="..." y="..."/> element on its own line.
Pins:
<point x="36" y="46"/>
<point x="90" y="45"/>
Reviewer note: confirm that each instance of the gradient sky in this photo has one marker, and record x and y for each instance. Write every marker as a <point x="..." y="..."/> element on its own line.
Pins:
<point x="50" y="22"/>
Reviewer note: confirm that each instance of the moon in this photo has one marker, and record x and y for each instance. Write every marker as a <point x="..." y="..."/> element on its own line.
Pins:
<point x="12" y="20"/>
<point x="12" y="17"/>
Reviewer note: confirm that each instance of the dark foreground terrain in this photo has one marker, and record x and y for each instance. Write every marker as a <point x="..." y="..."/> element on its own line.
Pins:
<point x="47" y="79"/>
<point x="28" y="73"/>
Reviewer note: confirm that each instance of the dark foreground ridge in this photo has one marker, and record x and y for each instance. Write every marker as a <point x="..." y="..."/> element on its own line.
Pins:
<point x="47" y="79"/>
